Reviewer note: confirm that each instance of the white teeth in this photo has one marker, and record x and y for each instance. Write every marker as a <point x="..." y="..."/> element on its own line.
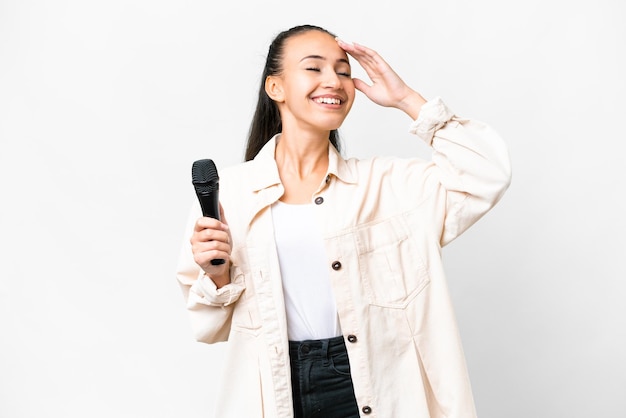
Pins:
<point x="328" y="100"/>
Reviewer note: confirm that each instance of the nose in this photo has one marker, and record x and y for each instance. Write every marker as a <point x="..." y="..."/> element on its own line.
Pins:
<point x="332" y="80"/>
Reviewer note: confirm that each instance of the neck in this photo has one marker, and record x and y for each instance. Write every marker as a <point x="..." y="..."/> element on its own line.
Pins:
<point x="302" y="157"/>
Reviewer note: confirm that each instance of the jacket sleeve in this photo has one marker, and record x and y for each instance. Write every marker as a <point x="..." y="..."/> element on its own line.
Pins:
<point x="210" y="309"/>
<point x="470" y="160"/>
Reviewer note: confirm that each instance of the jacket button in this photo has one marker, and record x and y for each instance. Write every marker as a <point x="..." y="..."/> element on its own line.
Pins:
<point x="319" y="200"/>
<point x="327" y="178"/>
<point x="336" y="265"/>
<point x="352" y="339"/>
<point x="366" y="410"/>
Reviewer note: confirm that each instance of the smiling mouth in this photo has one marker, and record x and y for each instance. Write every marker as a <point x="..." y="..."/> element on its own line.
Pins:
<point x="327" y="100"/>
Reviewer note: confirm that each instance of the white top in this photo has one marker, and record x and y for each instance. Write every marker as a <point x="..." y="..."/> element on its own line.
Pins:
<point x="309" y="300"/>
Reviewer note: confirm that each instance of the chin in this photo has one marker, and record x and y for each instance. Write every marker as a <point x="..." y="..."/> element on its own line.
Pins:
<point x="332" y="125"/>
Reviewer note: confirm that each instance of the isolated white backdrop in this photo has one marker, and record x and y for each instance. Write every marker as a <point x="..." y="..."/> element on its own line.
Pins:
<point x="105" y="105"/>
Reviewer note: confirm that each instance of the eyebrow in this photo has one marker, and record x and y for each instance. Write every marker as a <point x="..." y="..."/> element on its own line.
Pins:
<point x="319" y="57"/>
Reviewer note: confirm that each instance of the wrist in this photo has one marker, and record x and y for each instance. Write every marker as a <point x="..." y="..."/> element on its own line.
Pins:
<point x="412" y="104"/>
<point x="220" y="280"/>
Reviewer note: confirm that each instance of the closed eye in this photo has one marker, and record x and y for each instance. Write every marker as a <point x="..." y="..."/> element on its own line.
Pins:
<point x="313" y="69"/>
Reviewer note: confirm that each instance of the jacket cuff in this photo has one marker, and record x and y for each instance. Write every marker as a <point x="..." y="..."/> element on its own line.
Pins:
<point x="433" y="116"/>
<point x="210" y="295"/>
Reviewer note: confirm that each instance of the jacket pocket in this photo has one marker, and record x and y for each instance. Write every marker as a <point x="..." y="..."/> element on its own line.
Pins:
<point x="391" y="266"/>
<point x="245" y="314"/>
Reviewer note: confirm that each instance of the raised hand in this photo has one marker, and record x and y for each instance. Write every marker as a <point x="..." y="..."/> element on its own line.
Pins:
<point x="387" y="88"/>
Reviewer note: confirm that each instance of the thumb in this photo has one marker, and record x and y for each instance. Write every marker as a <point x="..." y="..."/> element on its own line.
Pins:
<point x="361" y="86"/>
<point x="222" y="216"/>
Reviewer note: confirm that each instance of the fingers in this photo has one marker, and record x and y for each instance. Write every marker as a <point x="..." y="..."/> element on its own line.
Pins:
<point x="204" y="253"/>
<point x="210" y="240"/>
<point x="362" y="86"/>
<point x="369" y="59"/>
<point x="206" y="222"/>
<point x="206" y="235"/>
<point x="222" y="216"/>
<point x="386" y="87"/>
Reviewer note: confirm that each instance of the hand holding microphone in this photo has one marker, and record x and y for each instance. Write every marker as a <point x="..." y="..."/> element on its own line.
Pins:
<point x="210" y="241"/>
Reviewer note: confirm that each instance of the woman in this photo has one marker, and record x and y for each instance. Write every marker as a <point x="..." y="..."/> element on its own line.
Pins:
<point x="333" y="298"/>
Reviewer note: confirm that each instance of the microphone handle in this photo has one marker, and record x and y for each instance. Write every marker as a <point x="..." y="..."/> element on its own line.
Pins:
<point x="209" y="202"/>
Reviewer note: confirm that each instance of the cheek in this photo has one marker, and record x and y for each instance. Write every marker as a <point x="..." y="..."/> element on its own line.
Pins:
<point x="349" y="85"/>
<point x="351" y="92"/>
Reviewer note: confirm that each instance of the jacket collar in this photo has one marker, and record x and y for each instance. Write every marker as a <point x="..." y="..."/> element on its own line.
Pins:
<point x="266" y="172"/>
<point x="265" y="180"/>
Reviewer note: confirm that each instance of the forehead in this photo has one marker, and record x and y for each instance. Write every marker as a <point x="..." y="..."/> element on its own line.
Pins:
<point x="313" y="43"/>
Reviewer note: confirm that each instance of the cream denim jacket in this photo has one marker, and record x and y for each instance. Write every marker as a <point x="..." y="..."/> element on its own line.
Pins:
<point x="384" y="221"/>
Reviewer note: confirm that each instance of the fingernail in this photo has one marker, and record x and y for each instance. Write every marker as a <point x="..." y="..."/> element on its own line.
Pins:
<point x="338" y="39"/>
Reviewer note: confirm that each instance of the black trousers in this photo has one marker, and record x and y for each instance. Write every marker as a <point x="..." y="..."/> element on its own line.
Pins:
<point x="320" y="379"/>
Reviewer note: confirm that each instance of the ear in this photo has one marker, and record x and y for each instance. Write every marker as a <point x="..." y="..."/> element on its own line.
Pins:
<point x="274" y="88"/>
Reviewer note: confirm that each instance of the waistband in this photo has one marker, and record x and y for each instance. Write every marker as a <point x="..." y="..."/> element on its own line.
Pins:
<point x="323" y="348"/>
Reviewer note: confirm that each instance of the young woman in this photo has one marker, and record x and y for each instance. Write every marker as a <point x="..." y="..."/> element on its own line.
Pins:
<point x="333" y="298"/>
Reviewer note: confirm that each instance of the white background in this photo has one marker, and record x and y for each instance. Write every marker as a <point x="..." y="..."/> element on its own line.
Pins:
<point x="105" y="105"/>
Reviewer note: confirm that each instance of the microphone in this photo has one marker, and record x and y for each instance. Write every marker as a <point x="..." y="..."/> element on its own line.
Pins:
<point x="207" y="183"/>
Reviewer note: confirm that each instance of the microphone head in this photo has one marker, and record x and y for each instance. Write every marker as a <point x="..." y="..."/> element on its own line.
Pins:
<point x="204" y="173"/>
